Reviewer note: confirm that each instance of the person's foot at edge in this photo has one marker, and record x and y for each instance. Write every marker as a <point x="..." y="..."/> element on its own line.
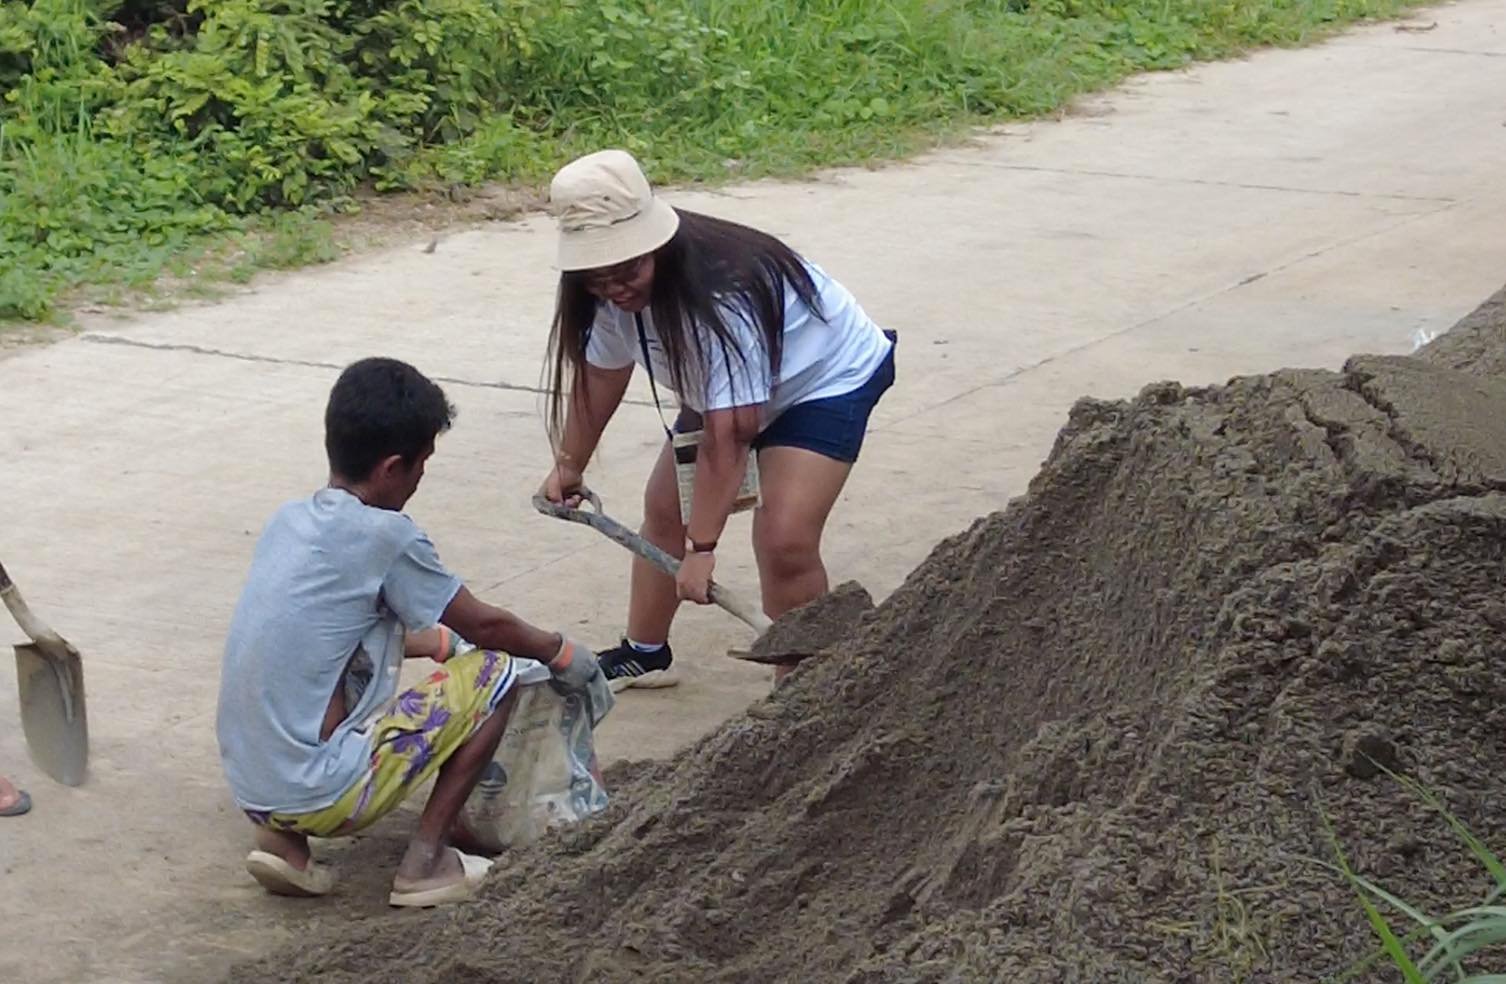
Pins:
<point x="13" y="802"/>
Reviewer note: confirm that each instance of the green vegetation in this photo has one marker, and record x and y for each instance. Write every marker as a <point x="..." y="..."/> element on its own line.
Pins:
<point x="1455" y="940"/>
<point x="137" y="134"/>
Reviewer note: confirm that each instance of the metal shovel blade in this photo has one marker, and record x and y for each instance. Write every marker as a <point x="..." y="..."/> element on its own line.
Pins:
<point x="51" y="684"/>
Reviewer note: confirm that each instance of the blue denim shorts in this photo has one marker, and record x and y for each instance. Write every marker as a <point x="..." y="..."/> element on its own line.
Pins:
<point x="833" y="427"/>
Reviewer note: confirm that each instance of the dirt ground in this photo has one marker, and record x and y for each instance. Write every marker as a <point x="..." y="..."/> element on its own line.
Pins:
<point x="1093" y="738"/>
<point x="1290" y="209"/>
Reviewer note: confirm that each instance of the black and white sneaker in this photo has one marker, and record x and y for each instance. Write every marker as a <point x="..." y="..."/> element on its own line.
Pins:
<point x="626" y="667"/>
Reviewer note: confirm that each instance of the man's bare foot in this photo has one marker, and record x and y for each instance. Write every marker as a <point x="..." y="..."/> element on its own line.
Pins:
<point x="283" y="865"/>
<point x="292" y="848"/>
<point x="424" y="864"/>
<point x="466" y="840"/>
<point x="455" y="878"/>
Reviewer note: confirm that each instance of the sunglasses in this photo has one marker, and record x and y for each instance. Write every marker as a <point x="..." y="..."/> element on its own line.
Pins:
<point x="623" y="273"/>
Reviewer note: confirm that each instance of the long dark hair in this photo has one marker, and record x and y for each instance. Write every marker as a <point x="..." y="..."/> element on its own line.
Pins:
<point x="712" y="270"/>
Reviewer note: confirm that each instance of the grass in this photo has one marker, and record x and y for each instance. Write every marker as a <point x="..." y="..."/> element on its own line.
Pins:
<point x="117" y="174"/>
<point x="1455" y="941"/>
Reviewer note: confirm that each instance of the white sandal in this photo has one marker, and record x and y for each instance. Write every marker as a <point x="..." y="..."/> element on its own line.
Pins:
<point x="475" y="870"/>
<point x="281" y="878"/>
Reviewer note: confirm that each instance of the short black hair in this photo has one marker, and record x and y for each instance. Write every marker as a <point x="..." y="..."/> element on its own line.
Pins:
<point x="378" y="408"/>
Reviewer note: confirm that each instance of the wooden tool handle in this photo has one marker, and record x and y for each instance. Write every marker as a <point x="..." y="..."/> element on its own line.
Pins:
<point x="36" y="630"/>
<point x="616" y="532"/>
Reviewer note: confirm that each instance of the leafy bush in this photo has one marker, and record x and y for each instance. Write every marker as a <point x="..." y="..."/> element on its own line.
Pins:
<point x="155" y="121"/>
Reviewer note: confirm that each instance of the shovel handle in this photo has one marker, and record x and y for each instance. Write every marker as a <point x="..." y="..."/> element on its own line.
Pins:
<point x="617" y="533"/>
<point x="35" y="629"/>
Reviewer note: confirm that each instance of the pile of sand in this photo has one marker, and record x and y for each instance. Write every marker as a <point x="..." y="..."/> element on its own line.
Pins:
<point x="1091" y="738"/>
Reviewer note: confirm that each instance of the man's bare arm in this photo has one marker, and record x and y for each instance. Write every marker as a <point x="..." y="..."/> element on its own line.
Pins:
<point x="491" y="627"/>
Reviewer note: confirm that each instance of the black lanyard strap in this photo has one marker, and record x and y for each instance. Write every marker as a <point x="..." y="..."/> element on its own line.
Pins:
<point x="648" y="363"/>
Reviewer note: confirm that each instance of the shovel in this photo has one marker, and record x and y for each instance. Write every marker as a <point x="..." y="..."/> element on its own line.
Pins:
<point x="720" y="596"/>
<point x="50" y="680"/>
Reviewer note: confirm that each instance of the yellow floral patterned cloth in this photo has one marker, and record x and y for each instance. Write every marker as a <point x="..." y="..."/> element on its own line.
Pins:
<point x="410" y="740"/>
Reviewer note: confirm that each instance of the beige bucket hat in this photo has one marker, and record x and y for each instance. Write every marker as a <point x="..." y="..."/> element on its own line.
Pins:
<point x="607" y="211"/>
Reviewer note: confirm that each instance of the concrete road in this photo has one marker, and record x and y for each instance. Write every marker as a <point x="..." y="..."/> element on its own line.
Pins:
<point x="1289" y="209"/>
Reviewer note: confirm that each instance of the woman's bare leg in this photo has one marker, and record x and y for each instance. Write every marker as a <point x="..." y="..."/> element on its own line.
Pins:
<point x="654" y="599"/>
<point x="800" y="488"/>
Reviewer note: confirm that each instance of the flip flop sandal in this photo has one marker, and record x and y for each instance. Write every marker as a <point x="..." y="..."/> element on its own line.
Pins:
<point x="281" y="878"/>
<point x="461" y="891"/>
<point x="20" y="807"/>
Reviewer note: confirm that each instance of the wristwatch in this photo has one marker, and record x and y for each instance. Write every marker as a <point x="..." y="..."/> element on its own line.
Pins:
<point x="697" y="546"/>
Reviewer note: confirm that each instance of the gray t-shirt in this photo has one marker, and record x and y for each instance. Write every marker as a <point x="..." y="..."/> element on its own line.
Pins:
<point x="332" y="580"/>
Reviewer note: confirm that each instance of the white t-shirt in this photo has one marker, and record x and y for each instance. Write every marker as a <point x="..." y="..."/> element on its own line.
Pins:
<point x="822" y="357"/>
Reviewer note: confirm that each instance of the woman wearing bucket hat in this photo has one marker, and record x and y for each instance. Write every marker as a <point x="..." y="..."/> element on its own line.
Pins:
<point x="776" y="367"/>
